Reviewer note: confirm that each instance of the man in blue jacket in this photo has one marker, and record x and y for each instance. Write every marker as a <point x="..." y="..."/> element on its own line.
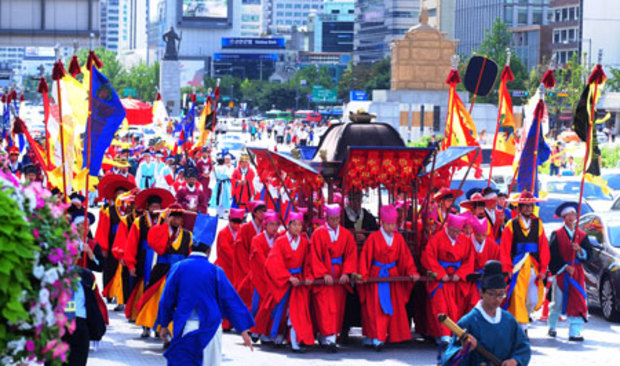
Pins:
<point x="196" y="297"/>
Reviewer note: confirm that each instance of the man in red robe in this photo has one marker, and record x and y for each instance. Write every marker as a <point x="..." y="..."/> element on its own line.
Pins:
<point x="333" y="254"/>
<point x="448" y="255"/>
<point x="494" y="215"/>
<point x="192" y="198"/>
<point x="138" y="255"/>
<point x="204" y="165"/>
<point x="261" y="246"/>
<point x="287" y="267"/>
<point x="242" y="183"/>
<point x="226" y="249"/>
<point x="385" y="254"/>
<point x="570" y="248"/>
<point x="483" y="249"/>
<point x="242" y="249"/>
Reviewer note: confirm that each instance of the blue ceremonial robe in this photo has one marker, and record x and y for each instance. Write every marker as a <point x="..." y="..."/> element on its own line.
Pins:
<point x="505" y="339"/>
<point x="196" y="286"/>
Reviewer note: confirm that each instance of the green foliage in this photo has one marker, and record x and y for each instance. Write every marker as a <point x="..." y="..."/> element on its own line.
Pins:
<point x="610" y="156"/>
<point x="16" y="260"/>
<point x="365" y="77"/>
<point x="571" y="80"/>
<point x="613" y="81"/>
<point x="424" y="140"/>
<point x="494" y="47"/>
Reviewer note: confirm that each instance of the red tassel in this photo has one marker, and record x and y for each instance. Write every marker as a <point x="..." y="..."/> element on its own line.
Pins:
<point x="12" y="96"/>
<point x="59" y="71"/>
<point x="540" y="109"/>
<point x="216" y="93"/>
<point x="158" y="97"/>
<point x="21" y="97"/>
<point x="43" y="87"/>
<point x="507" y="74"/>
<point x="194" y="98"/>
<point x="453" y="78"/>
<point x="93" y="60"/>
<point x="549" y="79"/>
<point x="3" y="99"/>
<point x="74" y="66"/>
<point x="598" y="75"/>
<point x="18" y="125"/>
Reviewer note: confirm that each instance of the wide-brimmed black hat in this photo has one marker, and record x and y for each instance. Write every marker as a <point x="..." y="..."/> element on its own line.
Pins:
<point x="492" y="276"/>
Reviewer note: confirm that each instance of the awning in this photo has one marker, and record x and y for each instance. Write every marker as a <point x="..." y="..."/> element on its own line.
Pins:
<point x="270" y="165"/>
<point x="138" y="112"/>
<point x="447" y="157"/>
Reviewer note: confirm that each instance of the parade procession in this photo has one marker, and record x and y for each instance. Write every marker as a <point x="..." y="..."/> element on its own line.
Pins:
<point x="131" y="235"/>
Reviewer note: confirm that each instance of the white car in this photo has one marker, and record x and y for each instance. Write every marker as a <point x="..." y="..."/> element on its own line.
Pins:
<point x="570" y="186"/>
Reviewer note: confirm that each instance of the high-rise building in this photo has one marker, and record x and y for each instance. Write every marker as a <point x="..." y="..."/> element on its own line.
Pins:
<point x="526" y="20"/>
<point x="251" y="18"/>
<point x="441" y="15"/>
<point x="565" y="26"/>
<point x="378" y="23"/>
<point x="280" y="16"/>
<point x="110" y="24"/>
<point x="331" y="30"/>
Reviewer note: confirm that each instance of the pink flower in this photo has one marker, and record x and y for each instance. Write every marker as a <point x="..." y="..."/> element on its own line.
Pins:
<point x="58" y="210"/>
<point x="30" y="346"/>
<point x="48" y="347"/>
<point x="56" y="255"/>
<point x="61" y="319"/>
<point x="61" y="351"/>
<point x="35" y="233"/>
<point x="71" y="327"/>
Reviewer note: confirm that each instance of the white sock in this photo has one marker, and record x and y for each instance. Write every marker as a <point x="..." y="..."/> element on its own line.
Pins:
<point x="294" y="343"/>
<point x="330" y="339"/>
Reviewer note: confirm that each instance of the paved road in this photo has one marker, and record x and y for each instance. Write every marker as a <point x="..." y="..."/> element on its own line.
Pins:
<point x="122" y="346"/>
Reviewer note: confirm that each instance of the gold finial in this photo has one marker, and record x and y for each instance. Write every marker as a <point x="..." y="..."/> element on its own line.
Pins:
<point x="423" y="14"/>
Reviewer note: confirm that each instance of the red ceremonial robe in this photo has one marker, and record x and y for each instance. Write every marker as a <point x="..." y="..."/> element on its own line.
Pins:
<point x="562" y="253"/>
<point x="258" y="275"/>
<point x="241" y="262"/>
<point x="225" y="257"/>
<point x="204" y="175"/>
<point x="242" y="193"/>
<point x="490" y="251"/>
<point x="444" y="258"/>
<point x="334" y="258"/>
<point x="192" y="199"/>
<point x="376" y="254"/>
<point x="282" y="263"/>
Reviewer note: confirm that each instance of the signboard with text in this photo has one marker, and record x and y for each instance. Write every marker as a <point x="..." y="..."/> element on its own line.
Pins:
<point x="253" y="43"/>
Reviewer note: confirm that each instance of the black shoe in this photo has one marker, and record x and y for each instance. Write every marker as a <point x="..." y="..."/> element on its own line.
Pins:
<point x="552" y="333"/>
<point x="254" y="338"/>
<point x="332" y="348"/>
<point x="527" y="337"/>
<point x="576" y="339"/>
<point x="344" y="338"/>
<point x="166" y="345"/>
<point x="146" y="332"/>
<point x="119" y="308"/>
<point x="379" y="347"/>
<point x="301" y="349"/>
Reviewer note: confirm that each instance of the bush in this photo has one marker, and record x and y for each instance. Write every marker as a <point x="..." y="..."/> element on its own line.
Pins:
<point x="611" y="156"/>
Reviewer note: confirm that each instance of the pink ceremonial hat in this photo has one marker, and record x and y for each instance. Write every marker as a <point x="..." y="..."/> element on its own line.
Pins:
<point x="456" y="221"/>
<point x="337" y="197"/>
<point x="388" y="214"/>
<point x="479" y="226"/>
<point x="270" y="216"/>
<point x="255" y="204"/>
<point x="332" y="210"/>
<point x="236" y="213"/>
<point x="299" y="216"/>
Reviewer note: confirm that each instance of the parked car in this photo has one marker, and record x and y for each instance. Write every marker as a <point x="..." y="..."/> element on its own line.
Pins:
<point x="613" y="180"/>
<point x="603" y="269"/>
<point x="616" y="205"/>
<point x="467" y="185"/>
<point x="571" y="186"/>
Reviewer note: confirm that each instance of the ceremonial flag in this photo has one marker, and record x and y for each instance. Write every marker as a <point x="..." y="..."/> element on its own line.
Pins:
<point x="535" y="147"/>
<point x="460" y="127"/>
<point x="584" y="116"/>
<point x="19" y="127"/>
<point x="107" y="114"/>
<point x="205" y="124"/>
<point x="504" y="143"/>
<point x="6" y="118"/>
<point x="189" y="121"/>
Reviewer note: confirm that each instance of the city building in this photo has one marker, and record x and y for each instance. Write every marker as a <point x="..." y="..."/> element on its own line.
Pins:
<point x="251" y="18"/>
<point x="110" y="25"/>
<point x="39" y="23"/>
<point x="331" y="30"/>
<point x="335" y="62"/>
<point x="600" y="24"/>
<point x="527" y="20"/>
<point x="378" y="23"/>
<point x="565" y="26"/>
<point x="281" y="16"/>
<point x="441" y="15"/>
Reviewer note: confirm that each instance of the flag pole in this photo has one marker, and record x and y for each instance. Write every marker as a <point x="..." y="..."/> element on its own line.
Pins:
<point x="216" y="97"/>
<point x="58" y="76"/>
<point x="589" y="139"/>
<point x="453" y="79"/>
<point x="90" y="65"/>
<point x="499" y="114"/>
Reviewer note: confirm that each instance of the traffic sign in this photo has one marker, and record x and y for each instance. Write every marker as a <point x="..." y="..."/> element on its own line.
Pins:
<point x="324" y="95"/>
<point x="130" y="92"/>
<point x="358" y="95"/>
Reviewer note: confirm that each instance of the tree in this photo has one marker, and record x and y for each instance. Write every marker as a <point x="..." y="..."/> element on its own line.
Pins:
<point x="143" y="79"/>
<point x="112" y="68"/>
<point x="494" y="47"/>
<point x="613" y="81"/>
<point x="365" y="76"/>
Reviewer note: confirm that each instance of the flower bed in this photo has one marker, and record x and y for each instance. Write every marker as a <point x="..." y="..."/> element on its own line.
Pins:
<point x="37" y="251"/>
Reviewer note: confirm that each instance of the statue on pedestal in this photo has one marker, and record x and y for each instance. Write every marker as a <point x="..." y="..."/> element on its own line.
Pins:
<point x="173" y="43"/>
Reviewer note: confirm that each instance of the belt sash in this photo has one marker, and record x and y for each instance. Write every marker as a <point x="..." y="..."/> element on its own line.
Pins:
<point x="522" y="250"/>
<point x="383" y="288"/>
<point x="569" y="281"/>
<point x="278" y="310"/>
<point x="446" y="265"/>
<point x="335" y="261"/>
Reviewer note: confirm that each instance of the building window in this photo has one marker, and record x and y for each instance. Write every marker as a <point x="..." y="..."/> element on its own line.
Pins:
<point x="558" y="15"/>
<point x="522" y="16"/>
<point x="565" y="14"/>
<point x="507" y="16"/>
<point x="289" y="6"/>
<point x="571" y="35"/>
<point x="289" y="14"/>
<point x="297" y="6"/>
<point x="306" y="6"/>
<point x="280" y="6"/>
<point x="537" y="17"/>
<point x="280" y="14"/>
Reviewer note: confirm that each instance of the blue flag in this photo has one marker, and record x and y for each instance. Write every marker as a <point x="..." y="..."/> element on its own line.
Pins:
<point x="107" y="114"/>
<point x="6" y="124"/>
<point x="188" y="121"/>
<point x="526" y="163"/>
<point x="205" y="228"/>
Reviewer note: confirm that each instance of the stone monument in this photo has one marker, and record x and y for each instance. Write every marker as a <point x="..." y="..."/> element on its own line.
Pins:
<point x="417" y="101"/>
<point x="169" y="74"/>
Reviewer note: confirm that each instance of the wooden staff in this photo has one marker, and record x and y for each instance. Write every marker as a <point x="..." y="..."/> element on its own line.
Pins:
<point x="60" y="124"/>
<point x="88" y="137"/>
<point x="462" y="335"/>
<point x="266" y="188"/>
<point x="499" y="117"/>
<point x="473" y="100"/>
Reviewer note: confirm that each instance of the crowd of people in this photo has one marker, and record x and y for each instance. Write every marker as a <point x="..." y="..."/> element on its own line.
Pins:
<point x="282" y="132"/>
<point x="281" y="278"/>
